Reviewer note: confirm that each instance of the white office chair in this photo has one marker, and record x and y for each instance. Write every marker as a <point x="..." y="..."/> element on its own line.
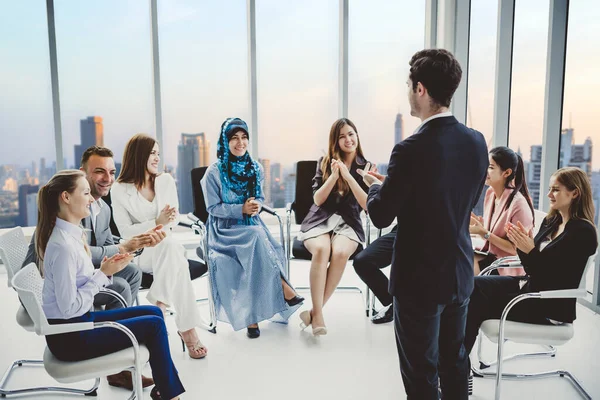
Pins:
<point x="13" y="250"/>
<point x="499" y="331"/>
<point x="28" y="283"/>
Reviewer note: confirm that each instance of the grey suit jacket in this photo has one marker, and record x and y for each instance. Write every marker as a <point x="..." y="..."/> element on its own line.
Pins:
<point x="105" y="245"/>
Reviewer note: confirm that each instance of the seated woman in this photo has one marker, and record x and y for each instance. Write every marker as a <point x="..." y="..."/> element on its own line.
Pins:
<point x="142" y="199"/>
<point x="554" y="260"/>
<point x="71" y="282"/>
<point x="332" y="230"/>
<point x="506" y="200"/>
<point x="246" y="262"/>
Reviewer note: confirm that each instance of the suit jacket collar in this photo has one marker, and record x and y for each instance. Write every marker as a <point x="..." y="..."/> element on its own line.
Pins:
<point x="437" y="123"/>
<point x="491" y="207"/>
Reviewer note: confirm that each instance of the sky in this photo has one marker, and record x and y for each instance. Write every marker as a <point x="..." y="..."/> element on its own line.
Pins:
<point x="105" y="69"/>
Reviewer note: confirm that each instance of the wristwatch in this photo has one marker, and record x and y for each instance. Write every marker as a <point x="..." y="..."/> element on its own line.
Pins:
<point x="487" y="235"/>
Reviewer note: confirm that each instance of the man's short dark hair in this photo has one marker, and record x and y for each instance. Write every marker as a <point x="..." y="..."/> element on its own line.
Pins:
<point x="95" y="151"/>
<point x="438" y="71"/>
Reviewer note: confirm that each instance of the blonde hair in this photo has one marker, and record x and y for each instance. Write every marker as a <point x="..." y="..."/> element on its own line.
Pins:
<point x="582" y="206"/>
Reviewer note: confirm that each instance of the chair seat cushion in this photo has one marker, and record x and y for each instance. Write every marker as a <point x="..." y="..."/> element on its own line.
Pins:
<point x="76" y="371"/>
<point x="24" y="319"/>
<point x="300" y="252"/>
<point x="520" y="332"/>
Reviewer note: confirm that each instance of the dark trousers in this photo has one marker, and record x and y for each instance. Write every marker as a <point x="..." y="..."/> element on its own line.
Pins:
<point x="369" y="262"/>
<point x="148" y="326"/>
<point x="490" y="296"/>
<point x="430" y="339"/>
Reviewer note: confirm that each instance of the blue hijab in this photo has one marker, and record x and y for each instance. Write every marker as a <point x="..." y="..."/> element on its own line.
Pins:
<point x="240" y="176"/>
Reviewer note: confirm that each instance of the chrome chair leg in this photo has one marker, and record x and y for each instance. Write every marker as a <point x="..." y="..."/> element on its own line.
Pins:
<point x="42" y="389"/>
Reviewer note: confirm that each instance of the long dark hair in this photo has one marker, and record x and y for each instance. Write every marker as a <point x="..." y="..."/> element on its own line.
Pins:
<point x="334" y="151"/>
<point x="48" y="207"/>
<point x="135" y="160"/>
<point x="505" y="158"/>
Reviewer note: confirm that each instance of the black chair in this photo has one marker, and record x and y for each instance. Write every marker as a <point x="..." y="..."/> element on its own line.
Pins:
<point x="199" y="218"/>
<point x="305" y="171"/>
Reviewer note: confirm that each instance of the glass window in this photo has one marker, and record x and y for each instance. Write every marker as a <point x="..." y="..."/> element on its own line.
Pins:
<point x="580" y="132"/>
<point x="382" y="39"/>
<point x="105" y="74"/>
<point x="528" y="87"/>
<point x="204" y="77"/>
<point x="297" y="64"/>
<point x="482" y="67"/>
<point x="27" y="153"/>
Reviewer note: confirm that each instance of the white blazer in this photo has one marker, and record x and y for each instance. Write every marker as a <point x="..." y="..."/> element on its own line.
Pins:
<point x="126" y="201"/>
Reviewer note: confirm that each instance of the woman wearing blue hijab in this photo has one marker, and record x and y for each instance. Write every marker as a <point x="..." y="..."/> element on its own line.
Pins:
<point x="246" y="262"/>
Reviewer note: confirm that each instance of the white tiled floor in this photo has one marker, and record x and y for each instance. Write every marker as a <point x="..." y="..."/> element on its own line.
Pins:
<point x="356" y="360"/>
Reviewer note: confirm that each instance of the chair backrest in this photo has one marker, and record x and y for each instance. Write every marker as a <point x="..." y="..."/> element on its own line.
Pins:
<point x="198" y="195"/>
<point x="539" y="217"/>
<point x="13" y="250"/>
<point x="590" y="263"/>
<point x="305" y="172"/>
<point x="29" y="283"/>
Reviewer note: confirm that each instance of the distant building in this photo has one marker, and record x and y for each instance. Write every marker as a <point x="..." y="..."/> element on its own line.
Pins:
<point x="10" y="185"/>
<point x="25" y="190"/>
<point x="193" y="152"/>
<point x="266" y="164"/>
<point x="92" y="134"/>
<point x="32" y="209"/>
<point x="398" y="129"/>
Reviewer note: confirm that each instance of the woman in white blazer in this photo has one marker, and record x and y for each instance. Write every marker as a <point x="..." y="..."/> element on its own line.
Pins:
<point x="141" y="199"/>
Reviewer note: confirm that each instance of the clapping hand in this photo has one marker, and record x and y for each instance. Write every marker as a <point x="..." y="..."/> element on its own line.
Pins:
<point x="476" y="225"/>
<point x="167" y="215"/>
<point x="251" y="207"/>
<point x="522" y="239"/>
<point x="335" y="170"/>
<point x="342" y="168"/>
<point x="149" y="238"/>
<point x="370" y="175"/>
<point x="114" y="264"/>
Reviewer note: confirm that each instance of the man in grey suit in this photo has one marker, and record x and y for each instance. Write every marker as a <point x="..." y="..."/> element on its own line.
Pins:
<point x="99" y="167"/>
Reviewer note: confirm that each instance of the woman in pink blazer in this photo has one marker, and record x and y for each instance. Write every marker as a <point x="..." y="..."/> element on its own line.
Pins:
<point x="506" y="200"/>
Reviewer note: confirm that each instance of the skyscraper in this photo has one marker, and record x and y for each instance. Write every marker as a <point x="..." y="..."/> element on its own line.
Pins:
<point x="398" y="129"/>
<point x="92" y="134"/>
<point x="193" y="151"/>
<point x="267" y="183"/>
<point x="571" y="155"/>
<point x="24" y="190"/>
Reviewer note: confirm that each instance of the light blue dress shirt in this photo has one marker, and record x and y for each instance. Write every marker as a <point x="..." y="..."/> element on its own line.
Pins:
<point x="70" y="280"/>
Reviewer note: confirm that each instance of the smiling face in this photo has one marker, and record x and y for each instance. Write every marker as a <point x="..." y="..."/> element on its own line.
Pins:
<point x="560" y="197"/>
<point x="78" y="202"/>
<point x="153" y="160"/>
<point x="238" y="144"/>
<point x="347" y="140"/>
<point x="100" y="173"/>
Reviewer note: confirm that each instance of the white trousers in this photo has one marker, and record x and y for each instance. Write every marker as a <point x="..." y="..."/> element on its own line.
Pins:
<point x="172" y="283"/>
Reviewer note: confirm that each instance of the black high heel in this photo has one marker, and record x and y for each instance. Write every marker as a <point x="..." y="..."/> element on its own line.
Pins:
<point x="253" y="333"/>
<point x="294" y="301"/>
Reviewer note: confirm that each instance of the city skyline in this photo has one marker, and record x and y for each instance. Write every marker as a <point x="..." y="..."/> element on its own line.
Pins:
<point x="100" y="74"/>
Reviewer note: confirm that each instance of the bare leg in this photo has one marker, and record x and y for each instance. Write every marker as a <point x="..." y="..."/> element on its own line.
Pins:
<point x="190" y="337"/>
<point x="320" y="248"/>
<point x="341" y="250"/>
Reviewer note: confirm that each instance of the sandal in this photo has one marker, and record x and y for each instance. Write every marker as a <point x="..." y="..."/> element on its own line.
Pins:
<point x="194" y="349"/>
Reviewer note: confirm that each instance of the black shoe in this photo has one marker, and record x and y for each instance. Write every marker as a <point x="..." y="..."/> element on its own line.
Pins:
<point x="294" y="301"/>
<point x="253" y="333"/>
<point x="384" y="315"/>
<point x="470" y="383"/>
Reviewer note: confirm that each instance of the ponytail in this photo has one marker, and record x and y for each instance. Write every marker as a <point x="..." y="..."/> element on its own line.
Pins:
<point x="521" y="185"/>
<point x="48" y="208"/>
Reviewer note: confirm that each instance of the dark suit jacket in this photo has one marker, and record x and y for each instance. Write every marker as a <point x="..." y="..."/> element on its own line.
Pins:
<point x="560" y="265"/>
<point x="104" y="244"/>
<point x="347" y="206"/>
<point x="435" y="178"/>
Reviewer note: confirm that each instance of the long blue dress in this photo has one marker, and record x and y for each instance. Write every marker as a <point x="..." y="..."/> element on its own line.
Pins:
<point x="245" y="262"/>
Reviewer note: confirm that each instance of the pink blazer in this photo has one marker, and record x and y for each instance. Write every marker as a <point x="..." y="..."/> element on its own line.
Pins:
<point x="517" y="211"/>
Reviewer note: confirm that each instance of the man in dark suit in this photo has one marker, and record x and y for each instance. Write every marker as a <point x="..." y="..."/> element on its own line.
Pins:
<point x="434" y="180"/>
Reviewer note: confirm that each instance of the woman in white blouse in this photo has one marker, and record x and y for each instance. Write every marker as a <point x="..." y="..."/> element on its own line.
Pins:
<point x="141" y="199"/>
<point x="71" y="282"/>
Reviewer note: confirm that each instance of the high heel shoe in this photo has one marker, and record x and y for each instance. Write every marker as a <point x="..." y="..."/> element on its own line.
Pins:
<point x="294" y="301"/>
<point x="306" y="319"/>
<point x="319" y="331"/>
<point x="193" y="348"/>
